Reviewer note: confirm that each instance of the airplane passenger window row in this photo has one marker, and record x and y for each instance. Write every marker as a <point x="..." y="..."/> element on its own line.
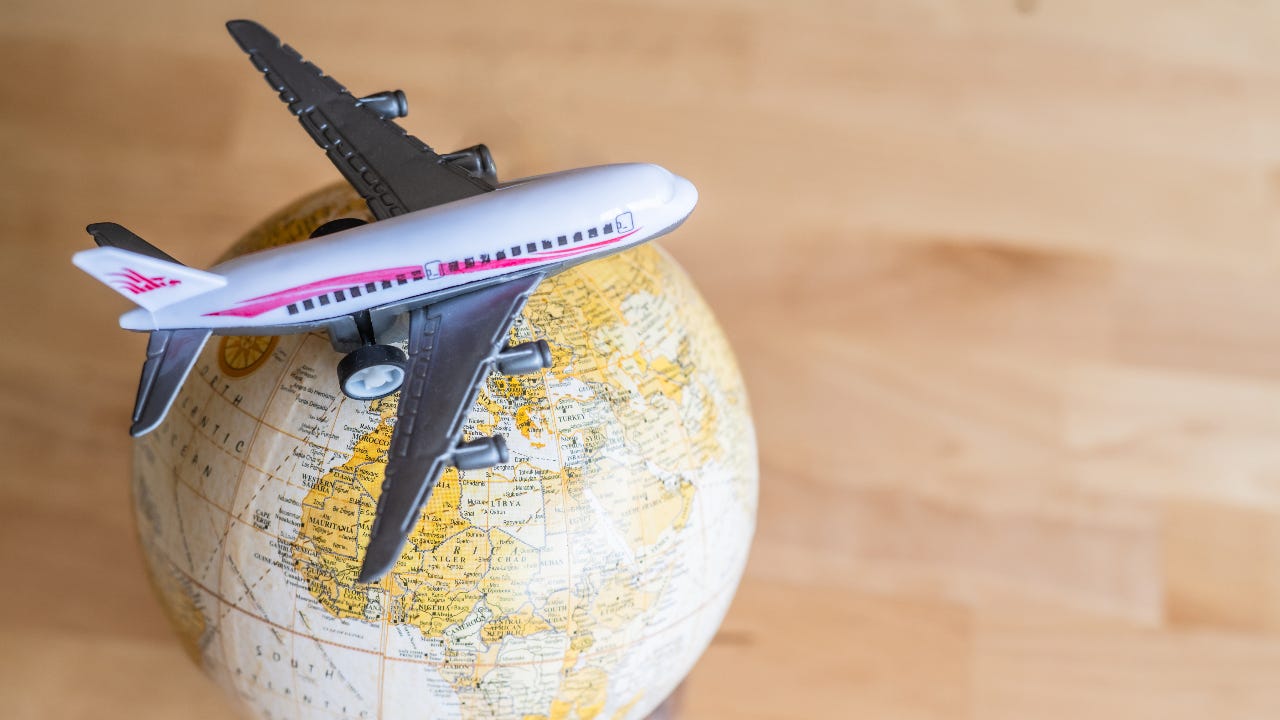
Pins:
<point x="356" y="291"/>
<point x="533" y="247"/>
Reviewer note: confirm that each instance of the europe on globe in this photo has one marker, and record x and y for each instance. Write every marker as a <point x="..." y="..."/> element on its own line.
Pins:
<point x="582" y="579"/>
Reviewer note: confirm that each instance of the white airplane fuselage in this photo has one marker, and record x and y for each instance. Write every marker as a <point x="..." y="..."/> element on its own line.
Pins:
<point x="558" y="219"/>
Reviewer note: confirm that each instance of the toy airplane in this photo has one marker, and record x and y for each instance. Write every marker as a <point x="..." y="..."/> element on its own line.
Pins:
<point x="453" y="249"/>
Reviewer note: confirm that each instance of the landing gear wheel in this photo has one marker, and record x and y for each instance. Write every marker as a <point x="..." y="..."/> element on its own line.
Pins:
<point x="372" y="372"/>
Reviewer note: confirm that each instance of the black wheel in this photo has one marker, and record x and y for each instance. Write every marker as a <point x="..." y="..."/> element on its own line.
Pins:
<point x="338" y="225"/>
<point x="372" y="372"/>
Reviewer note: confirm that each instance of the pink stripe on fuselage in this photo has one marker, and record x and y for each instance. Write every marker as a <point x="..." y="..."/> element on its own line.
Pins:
<point x="254" y="307"/>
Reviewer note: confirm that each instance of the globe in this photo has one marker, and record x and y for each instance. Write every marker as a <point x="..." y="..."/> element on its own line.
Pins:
<point x="582" y="579"/>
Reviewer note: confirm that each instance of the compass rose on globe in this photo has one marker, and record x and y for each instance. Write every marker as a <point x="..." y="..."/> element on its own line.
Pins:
<point x="240" y="355"/>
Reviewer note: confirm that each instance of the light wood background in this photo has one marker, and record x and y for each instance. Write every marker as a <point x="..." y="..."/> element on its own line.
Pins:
<point x="1003" y="275"/>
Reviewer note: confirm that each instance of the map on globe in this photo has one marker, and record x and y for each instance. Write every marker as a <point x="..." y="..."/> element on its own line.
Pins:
<point x="582" y="579"/>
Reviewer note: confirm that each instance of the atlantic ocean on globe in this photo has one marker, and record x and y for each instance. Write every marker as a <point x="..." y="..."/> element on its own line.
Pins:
<point x="580" y="580"/>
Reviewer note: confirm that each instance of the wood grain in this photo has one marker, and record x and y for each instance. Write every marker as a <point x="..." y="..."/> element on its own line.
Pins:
<point x="1004" y="278"/>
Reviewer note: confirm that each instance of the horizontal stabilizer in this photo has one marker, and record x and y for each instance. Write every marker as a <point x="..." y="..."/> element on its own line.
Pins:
<point x="170" y="356"/>
<point x="149" y="281"/>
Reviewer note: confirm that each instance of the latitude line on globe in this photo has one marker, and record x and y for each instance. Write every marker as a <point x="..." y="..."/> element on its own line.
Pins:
<point x="662" y="630"/>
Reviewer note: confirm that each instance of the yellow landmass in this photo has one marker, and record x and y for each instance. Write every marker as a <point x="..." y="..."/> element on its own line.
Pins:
<point x="518" y="624"/>
<point x="687" y="492"/>
<point x="582" y="695"/>
<point x="448" y="564"/>
<point x="625" y="710"/>
<point x="619" y="601"/>
<point x="432" y="612"/>
<point x="527" y="422"/>
<point x="655" y="510"/>
<point x="638" y="412"/>
<point x="667" y="379"/>
<point x="337" y="520"/>
<point x="512" y="565"/>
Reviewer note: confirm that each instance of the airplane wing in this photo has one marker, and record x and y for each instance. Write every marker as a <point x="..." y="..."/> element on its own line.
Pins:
<point x="452" y="347"/>
<point x="394" y="171"/>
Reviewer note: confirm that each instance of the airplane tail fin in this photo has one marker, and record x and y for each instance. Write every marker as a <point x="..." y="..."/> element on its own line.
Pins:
<point x="139" y="271"/>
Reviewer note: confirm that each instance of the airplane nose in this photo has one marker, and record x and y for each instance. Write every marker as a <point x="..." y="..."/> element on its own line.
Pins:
<point x="685" y="196"/>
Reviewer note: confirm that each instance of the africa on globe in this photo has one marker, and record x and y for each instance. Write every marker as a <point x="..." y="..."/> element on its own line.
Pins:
<point x="580" y="579"/>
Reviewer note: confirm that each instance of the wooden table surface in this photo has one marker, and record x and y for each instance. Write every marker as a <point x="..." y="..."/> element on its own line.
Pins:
<point x="1003" y="276"/>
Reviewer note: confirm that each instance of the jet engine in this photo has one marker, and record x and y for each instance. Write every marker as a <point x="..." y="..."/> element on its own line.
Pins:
<point x="481" y="453"/>
<point x="476" y="160"/>
<point x="389" y="104"/>
<point x="525" y="358"/>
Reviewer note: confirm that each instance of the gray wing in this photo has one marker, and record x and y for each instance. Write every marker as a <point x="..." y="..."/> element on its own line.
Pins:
<point x="394" y="171"/>
<point x="170" y="357"/>
<point x="452" y="347"/>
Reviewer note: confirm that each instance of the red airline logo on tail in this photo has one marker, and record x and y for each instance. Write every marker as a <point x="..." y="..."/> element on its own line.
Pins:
<point x="137" y="283"/>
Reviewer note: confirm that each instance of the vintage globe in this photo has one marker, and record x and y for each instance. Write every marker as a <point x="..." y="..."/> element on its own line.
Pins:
<point x="580" y="580"/>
